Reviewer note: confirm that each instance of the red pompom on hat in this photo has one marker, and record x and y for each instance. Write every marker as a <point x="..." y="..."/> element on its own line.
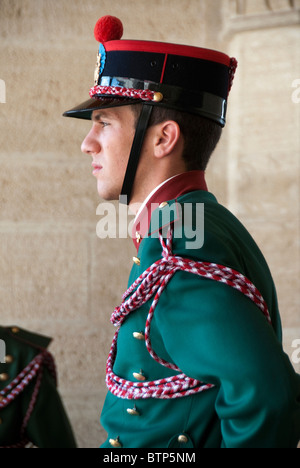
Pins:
<point x="108" y="28"/>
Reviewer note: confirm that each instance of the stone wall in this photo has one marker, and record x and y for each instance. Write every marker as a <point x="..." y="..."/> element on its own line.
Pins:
<point x="56" y="276"/>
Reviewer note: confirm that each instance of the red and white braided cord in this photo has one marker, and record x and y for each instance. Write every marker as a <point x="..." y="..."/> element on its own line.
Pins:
<point x="145" y="95"/>
<point x="153" y="281"/>
<point x="11" y="391"/>
<point x="18" y="385"/>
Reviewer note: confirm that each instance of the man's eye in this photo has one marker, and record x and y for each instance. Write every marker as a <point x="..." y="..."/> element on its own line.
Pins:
<point x="104" y="124"/>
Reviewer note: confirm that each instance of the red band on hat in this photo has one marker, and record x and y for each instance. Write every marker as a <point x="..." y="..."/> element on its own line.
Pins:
<point x="170" y="49"/>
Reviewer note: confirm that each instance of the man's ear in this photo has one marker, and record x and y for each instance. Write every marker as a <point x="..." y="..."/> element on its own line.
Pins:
<point x="167" y="138"/>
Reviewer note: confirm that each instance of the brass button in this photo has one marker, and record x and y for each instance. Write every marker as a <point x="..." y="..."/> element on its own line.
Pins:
<point x="138" y="237"/>
<point x="163" y="204"/>
<point x="133" y="411"/>
<point x="115" y="443"/>
<point x="15" y="330"/>
<point x="9" y="359"/>
<point x="139" y="336"/>
<point x="158" y="97"/>
<point x="4" y="377"/>
<point x="182" y="439"/>
<point x="137" y="261"/>
<point x="1" y="398"/>
<point x="139" y="376"/>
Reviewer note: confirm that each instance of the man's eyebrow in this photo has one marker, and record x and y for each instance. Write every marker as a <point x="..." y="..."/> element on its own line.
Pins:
<point x="99" y="115"/>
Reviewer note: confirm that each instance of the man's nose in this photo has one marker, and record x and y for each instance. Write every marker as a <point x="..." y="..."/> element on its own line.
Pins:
<point x="90" y="144"/>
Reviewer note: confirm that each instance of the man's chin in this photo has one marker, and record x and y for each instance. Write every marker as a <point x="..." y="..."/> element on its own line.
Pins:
<point x="107" y="194"/>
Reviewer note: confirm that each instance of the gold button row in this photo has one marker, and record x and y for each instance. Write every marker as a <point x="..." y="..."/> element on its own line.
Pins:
<point x="136" y="260"/>
<point x="139" y="376"/>
<point x="9" y="359"/>
<point x="182" y="439"/>
<point x="133" y="411"/>
<point x="115" y="443"/>
<point x="4" y="377"/>
<point x="139" y="336"/>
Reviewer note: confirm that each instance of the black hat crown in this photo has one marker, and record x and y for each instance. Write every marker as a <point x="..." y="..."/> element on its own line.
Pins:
<point x="189" y="79"/>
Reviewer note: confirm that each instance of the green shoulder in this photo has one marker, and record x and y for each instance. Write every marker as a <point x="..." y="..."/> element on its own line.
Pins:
<point x="20" y="336"/>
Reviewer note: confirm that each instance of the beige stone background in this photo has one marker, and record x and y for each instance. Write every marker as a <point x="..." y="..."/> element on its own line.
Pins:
<point x="56" y="276"/>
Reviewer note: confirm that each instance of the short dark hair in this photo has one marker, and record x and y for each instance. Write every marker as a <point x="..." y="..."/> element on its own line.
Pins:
<point x="200" y="134"/>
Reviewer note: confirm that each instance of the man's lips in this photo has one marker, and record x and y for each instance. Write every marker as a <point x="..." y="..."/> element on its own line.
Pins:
<point x="97" y="168"/>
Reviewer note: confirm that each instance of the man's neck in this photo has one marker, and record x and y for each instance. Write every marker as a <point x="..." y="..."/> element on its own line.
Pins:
<point x="150" y="182"/>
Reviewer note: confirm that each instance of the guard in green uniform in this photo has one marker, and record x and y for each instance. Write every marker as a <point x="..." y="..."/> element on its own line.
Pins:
<point x="31" y="410"/>
<point x="197" y="359"/>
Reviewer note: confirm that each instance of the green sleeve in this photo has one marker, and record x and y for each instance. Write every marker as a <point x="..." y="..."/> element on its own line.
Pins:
<point x="215" y="334"/>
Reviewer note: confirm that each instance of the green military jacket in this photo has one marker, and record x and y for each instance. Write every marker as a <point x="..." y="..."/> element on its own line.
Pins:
<point x="214" y="334"/>
<point x="31" y="410"/>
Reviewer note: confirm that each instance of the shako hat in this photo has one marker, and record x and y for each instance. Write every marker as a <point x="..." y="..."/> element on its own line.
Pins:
<point x="185" y="78"/>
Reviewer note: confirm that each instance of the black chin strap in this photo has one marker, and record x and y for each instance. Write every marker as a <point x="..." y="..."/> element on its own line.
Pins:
<point x="134" y="157"/>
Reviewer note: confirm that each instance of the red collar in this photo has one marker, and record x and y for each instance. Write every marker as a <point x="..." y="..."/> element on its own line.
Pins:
<point x="170" y="190"/>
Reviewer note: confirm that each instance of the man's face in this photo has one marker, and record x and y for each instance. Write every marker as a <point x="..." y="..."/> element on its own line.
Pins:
<point x="109" y="143"/>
